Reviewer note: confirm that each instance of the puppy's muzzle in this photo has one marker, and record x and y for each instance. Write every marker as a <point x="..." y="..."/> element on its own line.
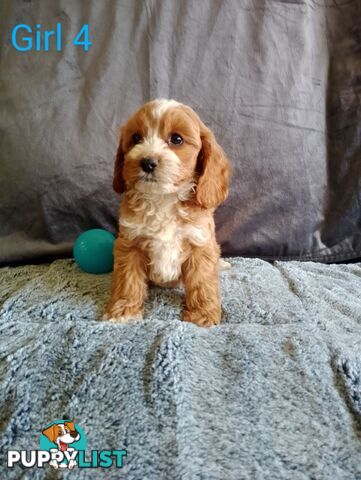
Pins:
<point x="148" y="164"/>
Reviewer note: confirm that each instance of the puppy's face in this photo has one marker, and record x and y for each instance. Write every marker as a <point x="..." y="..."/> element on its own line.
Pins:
<point x="160" y="144"/>
<point x="63" y="432"/>
<point x="164" y="148"/>
<point x="67" y="433"/>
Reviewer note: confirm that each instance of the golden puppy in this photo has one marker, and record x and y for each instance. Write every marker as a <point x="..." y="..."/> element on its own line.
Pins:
<point x="174" y="175"/>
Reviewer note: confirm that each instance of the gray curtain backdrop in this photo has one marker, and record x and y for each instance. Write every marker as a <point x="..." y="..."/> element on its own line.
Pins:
<point x="278" y="81"/>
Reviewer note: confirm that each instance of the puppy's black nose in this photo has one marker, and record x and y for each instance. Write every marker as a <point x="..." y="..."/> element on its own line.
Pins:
<point x="148" y="164"/>
<point x="74" y="434"/>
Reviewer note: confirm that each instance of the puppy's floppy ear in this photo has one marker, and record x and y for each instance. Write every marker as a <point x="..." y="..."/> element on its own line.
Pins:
<point x="118" y="179"/>
<point x="214" y="170"/>
<point x="70" y="425"/>
<point x="51" y="432"/>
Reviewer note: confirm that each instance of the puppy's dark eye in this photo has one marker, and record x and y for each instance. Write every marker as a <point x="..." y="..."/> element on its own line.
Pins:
<point x="175" y="139"/>
<point x="136" y="138"/>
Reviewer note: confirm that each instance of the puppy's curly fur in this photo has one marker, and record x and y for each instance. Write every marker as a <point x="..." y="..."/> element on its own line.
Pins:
<point x="173" y="175"/>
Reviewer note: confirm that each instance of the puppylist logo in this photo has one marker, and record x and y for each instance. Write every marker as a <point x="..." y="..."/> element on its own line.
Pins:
<point x="62" y="445"/>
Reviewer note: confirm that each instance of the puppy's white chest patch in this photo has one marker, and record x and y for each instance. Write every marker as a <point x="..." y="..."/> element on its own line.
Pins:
<point x="162" y="229"/>
<point x="165" y="254"/>
<point x="161" y="224"/>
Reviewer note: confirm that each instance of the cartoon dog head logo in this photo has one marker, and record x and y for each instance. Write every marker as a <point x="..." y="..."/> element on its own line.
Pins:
<point x="63" y="435"/>
<point x="63" y="445"/>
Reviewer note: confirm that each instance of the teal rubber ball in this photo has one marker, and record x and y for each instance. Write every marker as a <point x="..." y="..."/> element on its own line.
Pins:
<point x="93" y="251"/>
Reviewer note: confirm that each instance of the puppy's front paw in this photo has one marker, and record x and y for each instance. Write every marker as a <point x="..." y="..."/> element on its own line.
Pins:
<point x="202" y="318"/>
<point x="122" y="318"/>
<point x="54" y="464"/>
<point x="72" y="464"/>
<point x="120" y="313"/>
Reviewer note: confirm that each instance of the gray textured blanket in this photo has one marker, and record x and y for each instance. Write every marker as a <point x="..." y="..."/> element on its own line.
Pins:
<point x="274" y="392"/>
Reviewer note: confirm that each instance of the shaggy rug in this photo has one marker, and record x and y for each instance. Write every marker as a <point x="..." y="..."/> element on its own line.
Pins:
<point x="274" y="392"/>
